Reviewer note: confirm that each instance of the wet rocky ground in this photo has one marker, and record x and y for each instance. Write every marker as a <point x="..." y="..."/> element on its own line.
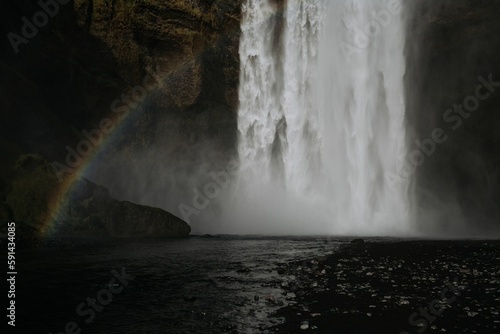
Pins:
<point x="231" y="284"/>
<point x="395" y="287"/>
<point x="207" y="284"/>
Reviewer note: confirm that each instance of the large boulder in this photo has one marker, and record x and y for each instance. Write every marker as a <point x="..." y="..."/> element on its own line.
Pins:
<point x="124" y="219"/>
<point x="89" y="210"/>
<point x="40" y="205"/>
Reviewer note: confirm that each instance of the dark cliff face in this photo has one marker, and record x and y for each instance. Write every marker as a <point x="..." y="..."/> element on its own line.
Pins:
<point x="186" y="128"/>
<point x="83" y="66"/>
<point x="450" y="46"/>
<point x="67" y="75"/>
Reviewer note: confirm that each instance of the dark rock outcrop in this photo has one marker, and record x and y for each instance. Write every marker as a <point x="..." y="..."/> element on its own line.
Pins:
<point x="357" y="241"/>
<point x="94" y="213"/>
<point x="90" y="211"/>
<point x="128" y="219"/>
<point x="85" y="209"/>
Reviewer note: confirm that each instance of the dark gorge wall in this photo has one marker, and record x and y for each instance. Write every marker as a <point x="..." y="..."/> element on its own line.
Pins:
<point x="452" y="49"/>
<point x="187" y="128"/>
<point x="164" y="74"/>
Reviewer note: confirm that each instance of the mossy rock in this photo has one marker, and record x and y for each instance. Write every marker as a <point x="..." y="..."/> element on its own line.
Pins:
<point x="125" y="219"/>
<point x="31" y="189"/>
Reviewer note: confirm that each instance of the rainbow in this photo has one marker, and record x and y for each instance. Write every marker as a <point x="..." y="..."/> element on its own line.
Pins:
<point x="58" y="201"/>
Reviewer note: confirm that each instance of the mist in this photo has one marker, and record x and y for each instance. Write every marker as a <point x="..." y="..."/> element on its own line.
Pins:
<point x="324" y="143"/>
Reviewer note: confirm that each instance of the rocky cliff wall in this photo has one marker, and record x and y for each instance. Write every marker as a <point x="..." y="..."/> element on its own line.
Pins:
<point x="453" y="85"/>
<point x="60" y="79"/>
<point x="67" y="75"/>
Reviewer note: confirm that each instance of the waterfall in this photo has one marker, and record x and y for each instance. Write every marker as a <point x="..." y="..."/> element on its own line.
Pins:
<point x="321" y="118"/>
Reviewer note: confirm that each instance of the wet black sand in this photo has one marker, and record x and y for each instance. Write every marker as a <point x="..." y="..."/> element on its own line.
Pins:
<point x="396" y="287"/>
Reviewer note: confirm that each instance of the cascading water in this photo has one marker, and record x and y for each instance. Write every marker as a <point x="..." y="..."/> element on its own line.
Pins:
<point x="321" y="118"/>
